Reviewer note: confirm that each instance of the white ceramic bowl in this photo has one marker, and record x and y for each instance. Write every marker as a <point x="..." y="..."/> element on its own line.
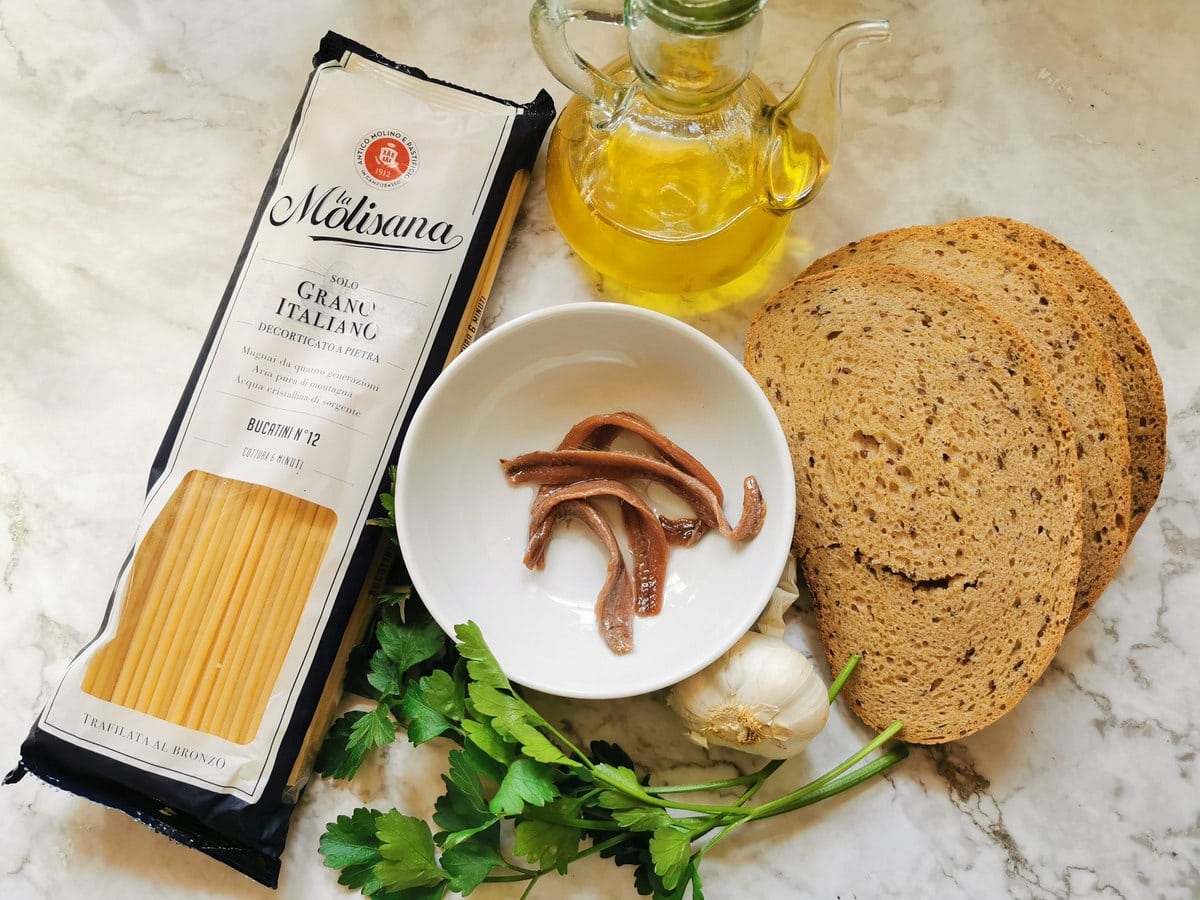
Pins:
<point x="462" y="526"/>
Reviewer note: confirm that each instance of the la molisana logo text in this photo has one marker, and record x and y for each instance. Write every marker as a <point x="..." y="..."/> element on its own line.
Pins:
<point x="385" y="159"/>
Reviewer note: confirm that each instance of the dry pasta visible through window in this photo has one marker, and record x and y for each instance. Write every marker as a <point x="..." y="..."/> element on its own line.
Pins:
<point x="214" y="597"/>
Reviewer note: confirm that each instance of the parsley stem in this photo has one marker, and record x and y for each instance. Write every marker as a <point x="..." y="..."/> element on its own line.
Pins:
<point x="820" y="788"/>
<point x="878" y="741"/>
<point x="595" y="848"/>
<point x="508" y="879"/>
<point x="537" y="815"/>
<point x="655" y="801"/>
<point x="579" y="754"/>
<point x="598" y="848"/>
<point x="828" y="789"/>
<point x="835" y="787"/>
<point x="843" y="677"/>
<point x="720" y="836"/>
<point x="528" y="873"/>
<point x="751" y="778"/>
<point x="765" y="772"/>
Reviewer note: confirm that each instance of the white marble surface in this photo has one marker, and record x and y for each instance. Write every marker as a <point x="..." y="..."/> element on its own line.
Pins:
<point x="136" y="137"/>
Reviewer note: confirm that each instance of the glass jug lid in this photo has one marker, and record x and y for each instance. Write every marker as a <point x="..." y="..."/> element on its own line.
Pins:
<point x="698" y="16"/>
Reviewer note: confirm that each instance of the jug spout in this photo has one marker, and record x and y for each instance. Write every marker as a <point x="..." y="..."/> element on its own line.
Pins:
<point x="811" y="116"/>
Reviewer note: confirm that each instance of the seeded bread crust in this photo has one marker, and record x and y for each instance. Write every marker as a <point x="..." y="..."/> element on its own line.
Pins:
<point x="1141" y="384"/>
<point x="938" y="493"/>
<point x="1070" y="348"/>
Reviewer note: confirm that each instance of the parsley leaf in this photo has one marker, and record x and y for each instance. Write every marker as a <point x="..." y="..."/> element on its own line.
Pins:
<point x="537" y="746"/>
<point x="671" y="849"/>
<point x="484" y="763"/>
<point x="463" y="810"/>
<point x="408" y="645"/>
<point x="485" y="737"/>
<point x="618" y="781"/>
<point x="431" y="892"/>
<point x="525" y="782"/>
<point x="397" y="597"/>
<point x="373" y="729"/>
<point x="350" y="738"/>
<point x="481" y="665"/>
<point x="350" y="844"/>
<point x="642" y="818"/>
<point x="429" y="704"/>
<point x="406" y="845"/>
<point x="463" y="776"/>
<point x="470" y="862"/>
<point x="546" y="844"/>
<point x="458" y="819"/>
<point x="504" y="710"/>
<point x="609" y="799"/>
<point x="384" y="675"/>
<point x="388" y="501"/>
<point x="337" y="759"/>
<point x="513" y="718"/>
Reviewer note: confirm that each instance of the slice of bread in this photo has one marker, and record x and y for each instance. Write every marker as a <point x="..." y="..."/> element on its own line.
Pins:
<point x="1069" y="347"/>
<point x="937" y="487"/>
<point x="1141" y="385"/>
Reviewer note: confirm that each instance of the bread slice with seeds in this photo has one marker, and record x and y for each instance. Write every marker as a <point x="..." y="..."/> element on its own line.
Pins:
<point x="937" y="487"/>
<point x="1008" y="278"/>
<point x="1141" y="384"/>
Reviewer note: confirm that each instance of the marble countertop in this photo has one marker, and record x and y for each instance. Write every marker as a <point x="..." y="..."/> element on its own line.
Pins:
<point x="136" y="138"/>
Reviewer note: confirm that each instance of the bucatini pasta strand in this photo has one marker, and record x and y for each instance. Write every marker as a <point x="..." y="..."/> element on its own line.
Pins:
<point x="101" y="677"/>
<point x="217" y="602"/>
<point x="276" y="560"/>
<point x="277" y="636"/>
<point x="177" y="540"/>
<point x="216" y="668"/>
<point x="195" y="594"/>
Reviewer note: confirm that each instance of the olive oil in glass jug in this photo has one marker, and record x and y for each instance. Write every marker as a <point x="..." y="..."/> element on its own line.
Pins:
<point x="674" y="169"/>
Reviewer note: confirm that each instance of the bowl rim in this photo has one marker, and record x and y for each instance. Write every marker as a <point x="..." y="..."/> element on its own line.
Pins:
<point x="605" y="309"/>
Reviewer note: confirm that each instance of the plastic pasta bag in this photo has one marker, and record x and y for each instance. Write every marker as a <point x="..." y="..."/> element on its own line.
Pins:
<point x="200" y="704"/>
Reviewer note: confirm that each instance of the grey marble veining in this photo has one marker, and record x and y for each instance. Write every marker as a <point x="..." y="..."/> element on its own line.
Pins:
<point x="135" y="141"/>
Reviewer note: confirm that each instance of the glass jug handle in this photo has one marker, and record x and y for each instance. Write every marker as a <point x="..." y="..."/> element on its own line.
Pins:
<point x="548" y="21"/>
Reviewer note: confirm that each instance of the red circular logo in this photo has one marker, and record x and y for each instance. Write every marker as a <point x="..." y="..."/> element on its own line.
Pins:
<point x="386" y="159"/>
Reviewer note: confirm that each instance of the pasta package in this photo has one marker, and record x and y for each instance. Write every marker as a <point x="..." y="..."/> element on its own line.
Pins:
<point x="200" y="703"/>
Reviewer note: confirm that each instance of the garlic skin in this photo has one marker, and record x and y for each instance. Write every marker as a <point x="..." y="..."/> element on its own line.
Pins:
<point x="786" y="593"/>
<point x="763" y="697"/>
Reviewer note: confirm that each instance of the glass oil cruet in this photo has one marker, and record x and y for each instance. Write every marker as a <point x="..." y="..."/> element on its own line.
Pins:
<point x="674" y="169"/>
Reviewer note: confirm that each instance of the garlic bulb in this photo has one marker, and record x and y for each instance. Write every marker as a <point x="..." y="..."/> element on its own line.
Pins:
<point x="763" y="696"/>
